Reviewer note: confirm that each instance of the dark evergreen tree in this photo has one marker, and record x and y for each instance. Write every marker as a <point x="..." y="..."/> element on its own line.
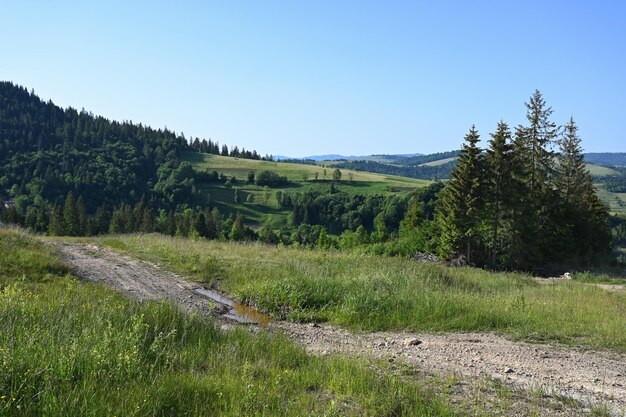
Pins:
<point x="56" y="226"/>
<point x="535" y="142"/>
<point x="462" y="200"/>
<point x="71" y="219"/>
<point x="499" y="195"/>
<point x="81" y="212"/>
<point x="582" y="218"/>
<point x="237" y="231"/>
<point x="533" y="234"/>
<point x="147" y="221"/>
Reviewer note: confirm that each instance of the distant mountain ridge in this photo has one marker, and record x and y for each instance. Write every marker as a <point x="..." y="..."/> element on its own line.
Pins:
<point x="606" y="158"/>
<point x="337" y="157"/>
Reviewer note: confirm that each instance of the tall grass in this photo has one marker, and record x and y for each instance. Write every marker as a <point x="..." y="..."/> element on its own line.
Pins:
<point x="372" y="292"/>
<point x="70" y="348"/>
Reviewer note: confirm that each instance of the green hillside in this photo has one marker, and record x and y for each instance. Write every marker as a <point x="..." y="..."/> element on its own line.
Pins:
<point x="601" y="171"/>
<point x="439" y="162"/>
<point x="615" y="201"/>
<point x="361" y="181"/>
<point x="265" y="207"/>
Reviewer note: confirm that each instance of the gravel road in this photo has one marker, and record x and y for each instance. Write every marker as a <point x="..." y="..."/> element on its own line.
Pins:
<point x="556" y="379"/>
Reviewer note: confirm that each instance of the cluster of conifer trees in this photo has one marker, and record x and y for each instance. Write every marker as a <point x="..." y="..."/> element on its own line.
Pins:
<point x="208" y="146"/>
<point x="519" y="204"/>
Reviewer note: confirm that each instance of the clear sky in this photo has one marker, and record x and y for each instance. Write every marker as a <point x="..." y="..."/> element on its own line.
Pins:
<point x="315" y="77"/>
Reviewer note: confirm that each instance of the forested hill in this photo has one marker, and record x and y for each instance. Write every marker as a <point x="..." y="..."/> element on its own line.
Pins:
<point x="606" y="158"/>
<point x="47" y="151"/>
<point x="425" y="172"/>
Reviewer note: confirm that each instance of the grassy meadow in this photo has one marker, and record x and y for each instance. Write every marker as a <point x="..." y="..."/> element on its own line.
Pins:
<point x="369" y="292"/>
<point x="301" y="177"/>
<point x="71" y="348"/>
<point x="615" y="201"/>
<point x="440" y="162"/>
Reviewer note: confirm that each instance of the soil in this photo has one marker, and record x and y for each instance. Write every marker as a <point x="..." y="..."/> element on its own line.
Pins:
<point x="484" y="373"/>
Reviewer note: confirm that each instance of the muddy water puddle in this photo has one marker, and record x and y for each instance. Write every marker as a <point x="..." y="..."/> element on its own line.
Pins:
<point x="241" y="313"/>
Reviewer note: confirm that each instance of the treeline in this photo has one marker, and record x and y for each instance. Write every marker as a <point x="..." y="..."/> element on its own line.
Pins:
<point x="424" y="159"/>
<point x="424" y="172"/>
<point x="606" y="158"/>
<point x="614" y="183"/>
<point x="518" y="205"/>
<point x="47" y="151"/>
<point x="208" y="146"/>
<point x="325" y="220"/>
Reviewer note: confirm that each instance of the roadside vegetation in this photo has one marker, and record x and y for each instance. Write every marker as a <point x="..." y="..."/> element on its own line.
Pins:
<point x="371" y="292"/>
<point x="70" y="348"/>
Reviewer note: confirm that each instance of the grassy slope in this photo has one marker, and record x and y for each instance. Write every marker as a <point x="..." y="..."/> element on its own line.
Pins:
<point x="440" y="162"/>
<point x="615" y="201"/>
<point x="375" y="293"/>
<point x="601" y="171"/>
<point x="263" y="210"/>
<point x="69" y="348"/>
<point x="364" y="181"/>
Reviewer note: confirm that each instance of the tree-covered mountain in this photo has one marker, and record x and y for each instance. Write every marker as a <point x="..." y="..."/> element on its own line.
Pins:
<point x="424" y="172"/>
<point x="424" y="159"/>
<point x="48" y="153"/>
<point x="606" y="158"/>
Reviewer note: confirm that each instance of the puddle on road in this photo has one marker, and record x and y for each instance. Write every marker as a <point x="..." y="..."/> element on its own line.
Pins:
<point x="241" y="313"/>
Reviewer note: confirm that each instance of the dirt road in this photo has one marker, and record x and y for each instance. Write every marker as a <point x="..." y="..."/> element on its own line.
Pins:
<point x="541" y="378"/>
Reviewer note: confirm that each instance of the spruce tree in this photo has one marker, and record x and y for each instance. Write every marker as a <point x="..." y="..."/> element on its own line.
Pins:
<point x="583" y="218"/>
<point x="102" y="220"/>
<point x="55" y="227"/>
<point x="535" y="142"/>
<point x="147" y="222"/>
<point x="533" y="236"/>
<point x="461" y="201"/>
<point x="572" y="173"/>
<point x="237" y="232"/>
<point x="499" y="192"/>
<point x="82" y="216"/>
<point x="71" y="219"/>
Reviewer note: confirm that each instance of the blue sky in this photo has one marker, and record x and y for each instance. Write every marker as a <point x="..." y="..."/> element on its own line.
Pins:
<point x="300" y="78"/>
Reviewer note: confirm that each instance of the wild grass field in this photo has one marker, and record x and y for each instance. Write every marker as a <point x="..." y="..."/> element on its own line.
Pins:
<point x="615" y="201"/>
<point x="74" y="348"/>
<point x="370" y="292"/>
<point x="440" y="162"/>
<point x="361" y="181"/>
<point x="600" y="171"/>
<point x="264" y="208"/>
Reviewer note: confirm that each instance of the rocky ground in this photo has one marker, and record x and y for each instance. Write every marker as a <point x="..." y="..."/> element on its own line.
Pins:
<point x="481" y="373"/>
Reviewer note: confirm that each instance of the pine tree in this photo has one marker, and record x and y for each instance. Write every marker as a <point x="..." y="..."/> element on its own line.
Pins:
<point x="147" y="222"/>
<point x="461" y="201"/>
<point x="535" y="142"/>
<point x="572" y="173"/>
<point x="102" y="220"/>
<point x="171" y="223"/>
<point x="71" y="221"/>
<point x="533" y="236"/>
<point x="499" y="190"/>
<point x="198" y="225"/>
<point x="55" y="227"/>
<point x="583" y="218"/>
<point x="237" y="232"/>
<point x="82" y="216"/>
